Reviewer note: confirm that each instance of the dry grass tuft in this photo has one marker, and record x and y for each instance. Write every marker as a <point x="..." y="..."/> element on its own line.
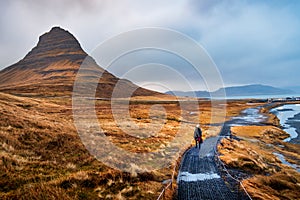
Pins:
<point x="253" y="153"/>
<point x="42" y="156"/>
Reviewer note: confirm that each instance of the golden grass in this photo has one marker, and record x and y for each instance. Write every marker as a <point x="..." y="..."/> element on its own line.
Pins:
<point x="281" y="185"/>
<point x="253" y="153"/>
<point x="42" y="156"/>
<point x="259" y="132"/>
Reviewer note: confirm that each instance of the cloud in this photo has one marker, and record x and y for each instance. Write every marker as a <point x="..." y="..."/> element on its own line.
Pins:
<point x="246" y="39"/>
<point x="250" y="41"/>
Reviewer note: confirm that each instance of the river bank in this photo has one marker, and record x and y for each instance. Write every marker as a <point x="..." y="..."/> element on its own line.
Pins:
<point x="258" y="149"/>
<point x="295" y="122"/>
<point x="289" y="117"/>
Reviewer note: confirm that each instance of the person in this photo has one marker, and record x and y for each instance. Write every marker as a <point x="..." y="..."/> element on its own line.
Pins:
<point x="198" y="136"/>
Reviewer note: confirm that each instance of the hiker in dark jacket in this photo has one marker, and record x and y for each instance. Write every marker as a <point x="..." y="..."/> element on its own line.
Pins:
<point x="198" y="136"/>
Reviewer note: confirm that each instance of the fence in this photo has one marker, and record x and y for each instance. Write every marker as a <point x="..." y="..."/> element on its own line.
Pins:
<point x="227" y="172"/>
<point x="170" y="184"/>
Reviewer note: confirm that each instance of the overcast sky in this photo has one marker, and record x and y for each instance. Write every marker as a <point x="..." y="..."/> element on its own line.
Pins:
<point x="250" y="41"/>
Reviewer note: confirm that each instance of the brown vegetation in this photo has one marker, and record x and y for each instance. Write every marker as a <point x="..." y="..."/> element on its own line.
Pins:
<point x="254" y="153"/>
<point x="41" y="154"/>
<point x="43" y="157"/>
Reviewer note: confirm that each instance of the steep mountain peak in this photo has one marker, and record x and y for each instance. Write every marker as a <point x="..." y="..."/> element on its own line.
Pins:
<point x="56" y="58"/>
<point x="56" y="42"/>
<point x="51" y="67"/>
<point x="56" y="36"/>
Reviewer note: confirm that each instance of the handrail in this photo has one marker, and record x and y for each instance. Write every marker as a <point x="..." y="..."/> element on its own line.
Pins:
<point x="162" y="194"/>
<point x="217" y="154"/>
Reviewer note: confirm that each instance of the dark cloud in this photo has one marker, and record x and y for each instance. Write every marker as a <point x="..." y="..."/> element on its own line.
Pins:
<point x="253" y="41"/>
<point x="250" y="41"/>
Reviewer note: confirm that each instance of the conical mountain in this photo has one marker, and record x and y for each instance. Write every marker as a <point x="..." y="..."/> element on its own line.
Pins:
<point x="51" y="66"/>
<point x="57" y="42"/>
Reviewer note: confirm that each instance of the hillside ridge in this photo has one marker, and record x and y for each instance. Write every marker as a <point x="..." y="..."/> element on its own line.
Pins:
<point x="245" y="90"/>
<point x="50" y="69"/>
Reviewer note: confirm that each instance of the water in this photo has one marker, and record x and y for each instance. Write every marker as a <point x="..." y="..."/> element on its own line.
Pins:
<point x="285" y="114"/>
<point x="283" y="160"/>
<point x="250" y="116"/>
<point x="289" y="115"/>
<point x="259" y="96"/>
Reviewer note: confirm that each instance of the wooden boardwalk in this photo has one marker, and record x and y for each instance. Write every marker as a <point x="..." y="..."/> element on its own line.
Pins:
<point x="199" y="176"/>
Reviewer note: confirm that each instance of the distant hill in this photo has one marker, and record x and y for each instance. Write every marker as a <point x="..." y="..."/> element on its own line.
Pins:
<point x="51" y="66"/>
<point x="189" y="94"/>
<point x="296" y="89"/>
<point x="255" y="89"/>
<point x="247" y="90"/>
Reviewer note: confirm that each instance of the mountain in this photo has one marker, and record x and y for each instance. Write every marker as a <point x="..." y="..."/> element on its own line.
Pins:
<point x="51" y="66"/>
<point x="253" y="90"/>
<point x="189" y="94"/>
<point x="296" y="89"/>
<point x="246" y="90"/>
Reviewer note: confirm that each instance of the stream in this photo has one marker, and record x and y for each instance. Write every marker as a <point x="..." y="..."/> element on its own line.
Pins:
<point x="289" y="116"/>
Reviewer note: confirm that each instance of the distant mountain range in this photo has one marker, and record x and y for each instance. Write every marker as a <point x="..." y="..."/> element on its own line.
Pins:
<point x="296" y="89"/>
<point x="50" y="69"/>
<point x="247" y="90"/>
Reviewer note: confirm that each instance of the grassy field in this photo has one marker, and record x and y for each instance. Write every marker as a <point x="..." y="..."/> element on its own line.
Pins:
<point x="255" y="154"/>
<point x="42" y="156"/>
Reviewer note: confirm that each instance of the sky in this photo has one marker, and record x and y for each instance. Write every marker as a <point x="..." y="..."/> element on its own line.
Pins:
<point x="250" y="41"/>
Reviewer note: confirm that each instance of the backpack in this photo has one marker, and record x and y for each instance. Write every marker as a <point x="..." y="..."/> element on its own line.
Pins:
<point x="200" y="139"/>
